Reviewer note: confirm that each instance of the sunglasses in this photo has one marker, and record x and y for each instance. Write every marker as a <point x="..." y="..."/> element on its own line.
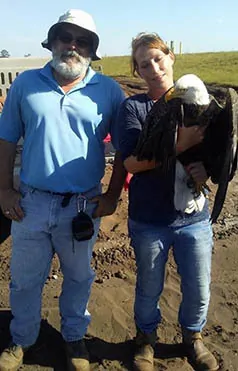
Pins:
<point x="65" y="37"/>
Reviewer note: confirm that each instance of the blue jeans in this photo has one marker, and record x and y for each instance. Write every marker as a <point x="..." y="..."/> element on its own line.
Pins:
<point x="45" y="230"/>
<point x="192" y="249"/>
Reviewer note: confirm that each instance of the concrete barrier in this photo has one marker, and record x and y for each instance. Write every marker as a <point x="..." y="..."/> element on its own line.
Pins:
<point x="11" y="67"/>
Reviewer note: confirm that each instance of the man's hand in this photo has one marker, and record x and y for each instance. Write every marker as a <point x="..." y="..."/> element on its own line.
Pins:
<point x="106" y="205"/>
<point x="10" y="204"/>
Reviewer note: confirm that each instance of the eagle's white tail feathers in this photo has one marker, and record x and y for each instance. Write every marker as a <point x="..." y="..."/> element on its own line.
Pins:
<point x="184" y="199"/>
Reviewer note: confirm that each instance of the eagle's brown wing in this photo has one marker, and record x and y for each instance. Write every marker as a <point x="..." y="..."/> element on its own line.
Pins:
<point x="225" y="165"/>
<point x="158" y="135"/>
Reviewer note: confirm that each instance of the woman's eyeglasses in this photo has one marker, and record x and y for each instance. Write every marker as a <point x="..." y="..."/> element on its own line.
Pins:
<point x="65" y="37"/>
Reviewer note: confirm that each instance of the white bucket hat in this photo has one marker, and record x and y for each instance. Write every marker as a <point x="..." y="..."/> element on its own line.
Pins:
<point x="78" y="18"/>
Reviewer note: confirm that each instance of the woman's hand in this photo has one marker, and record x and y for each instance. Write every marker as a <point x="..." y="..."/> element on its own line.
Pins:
<point x="189" y="137"/>
<point x="106" y="205"/>
<point x="133" y="166"/>
<point x="198" y="172"/>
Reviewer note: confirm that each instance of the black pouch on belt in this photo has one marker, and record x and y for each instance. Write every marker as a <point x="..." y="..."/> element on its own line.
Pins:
<point x="82" y="224"/>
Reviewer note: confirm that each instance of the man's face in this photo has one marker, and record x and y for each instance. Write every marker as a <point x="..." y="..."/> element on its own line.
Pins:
<point x="71" y="50"/>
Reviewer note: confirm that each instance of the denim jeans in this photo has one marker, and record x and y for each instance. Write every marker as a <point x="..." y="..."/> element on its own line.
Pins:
<point x="192" y="249"/>
<point x="45" y="230"/>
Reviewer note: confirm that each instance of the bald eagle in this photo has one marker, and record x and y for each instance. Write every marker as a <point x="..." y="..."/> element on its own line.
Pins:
<point x="189" y="103"/>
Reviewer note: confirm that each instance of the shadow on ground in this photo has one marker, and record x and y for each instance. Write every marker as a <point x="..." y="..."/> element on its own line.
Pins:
<point x="48" y="351"/>
<point x="49" y="348"/>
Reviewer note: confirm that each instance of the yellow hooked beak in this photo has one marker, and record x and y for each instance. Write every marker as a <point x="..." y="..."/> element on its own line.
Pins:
<point x="173" y="93"/>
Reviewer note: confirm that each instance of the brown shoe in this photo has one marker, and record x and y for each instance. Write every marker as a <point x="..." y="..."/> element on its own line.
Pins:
<point x="144" y="351"/>
<point x="11" y="358"/>
<point x="77" y="356"/>
<point x="202" y="358"/>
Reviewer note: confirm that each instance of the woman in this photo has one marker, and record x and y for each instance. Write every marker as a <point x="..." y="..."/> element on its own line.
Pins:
<point x="155" y="224"/>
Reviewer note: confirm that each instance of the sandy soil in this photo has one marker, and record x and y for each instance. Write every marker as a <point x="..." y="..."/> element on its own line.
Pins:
<point x="111" y="332"/>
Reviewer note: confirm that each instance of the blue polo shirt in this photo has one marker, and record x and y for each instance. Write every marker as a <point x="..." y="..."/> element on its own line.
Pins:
<point x="63" y="133"/>
<point x="151" y="193"/>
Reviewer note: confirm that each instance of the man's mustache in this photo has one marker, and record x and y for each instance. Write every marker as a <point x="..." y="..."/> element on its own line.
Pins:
<point x="69" y="54"/>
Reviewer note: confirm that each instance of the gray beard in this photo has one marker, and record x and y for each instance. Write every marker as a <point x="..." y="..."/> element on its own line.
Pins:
<point x="69" y="64"/>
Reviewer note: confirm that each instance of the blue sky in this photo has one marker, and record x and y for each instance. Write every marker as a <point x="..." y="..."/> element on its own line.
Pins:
<point x="201" y="26"/>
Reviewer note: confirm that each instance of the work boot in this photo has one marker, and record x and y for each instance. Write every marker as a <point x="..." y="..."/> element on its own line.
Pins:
<point x="201" y="357"/>
<point x="77" y="356"/>
<point x="11" y="358"/>
<point x="144" y="351"/>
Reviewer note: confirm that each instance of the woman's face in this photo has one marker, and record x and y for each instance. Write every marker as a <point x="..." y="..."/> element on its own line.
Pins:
<point x="155" y="67"/>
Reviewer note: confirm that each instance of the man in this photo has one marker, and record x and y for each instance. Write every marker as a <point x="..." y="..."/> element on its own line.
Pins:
<point x="63" y="111"/>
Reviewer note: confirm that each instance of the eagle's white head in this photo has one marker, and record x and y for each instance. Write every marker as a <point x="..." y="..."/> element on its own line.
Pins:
<point x="191" y="89"/>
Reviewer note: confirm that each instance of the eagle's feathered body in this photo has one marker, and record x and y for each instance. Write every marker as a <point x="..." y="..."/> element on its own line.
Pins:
<point x="189" y="103"/>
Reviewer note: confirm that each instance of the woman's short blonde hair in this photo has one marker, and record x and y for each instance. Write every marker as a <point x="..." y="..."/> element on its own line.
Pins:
<point x="150" y="40"/>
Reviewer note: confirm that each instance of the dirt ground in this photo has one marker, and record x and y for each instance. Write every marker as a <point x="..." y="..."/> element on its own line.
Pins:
<point x="111" y="332"/>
